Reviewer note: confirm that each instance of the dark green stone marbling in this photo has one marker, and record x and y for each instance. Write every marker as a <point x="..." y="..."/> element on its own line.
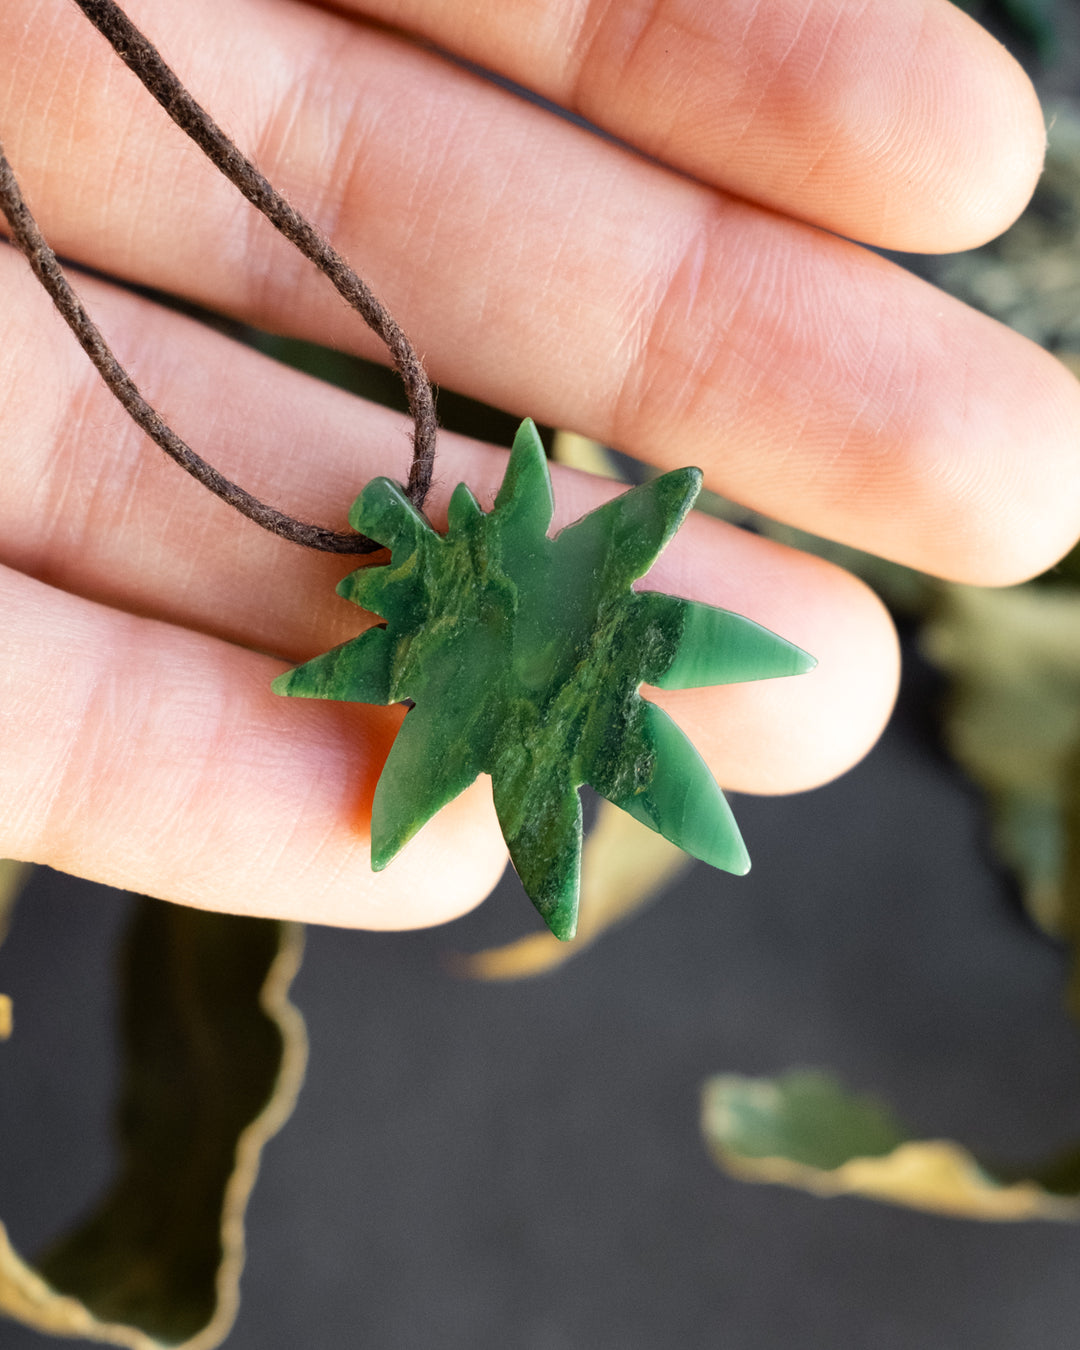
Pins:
<point x="523" y="656"/>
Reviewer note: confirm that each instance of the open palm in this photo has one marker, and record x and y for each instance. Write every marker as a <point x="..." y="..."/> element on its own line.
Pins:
<point x="683" y="289"/>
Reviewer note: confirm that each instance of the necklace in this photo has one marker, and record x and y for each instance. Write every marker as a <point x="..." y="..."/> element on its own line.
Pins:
<point x="521" y="655"/>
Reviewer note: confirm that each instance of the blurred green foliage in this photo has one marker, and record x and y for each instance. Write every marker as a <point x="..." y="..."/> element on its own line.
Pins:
<point x="1026" y="21"/>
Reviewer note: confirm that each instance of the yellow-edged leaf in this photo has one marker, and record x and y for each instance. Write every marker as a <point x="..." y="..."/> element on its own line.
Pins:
<point x="804" y="1130"/>
<point x="26" y="1296"/>
<point x="13" y="877"/>
<point x="215" y="1055"/>
<point x="579" y="452"/>
<point x="1013" y="720"/>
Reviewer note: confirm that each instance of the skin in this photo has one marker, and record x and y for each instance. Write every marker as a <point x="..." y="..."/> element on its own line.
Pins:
<point x="697" y="302"/>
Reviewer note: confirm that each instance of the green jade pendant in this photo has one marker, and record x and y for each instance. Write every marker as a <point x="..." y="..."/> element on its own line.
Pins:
<point x="523" y="656"/>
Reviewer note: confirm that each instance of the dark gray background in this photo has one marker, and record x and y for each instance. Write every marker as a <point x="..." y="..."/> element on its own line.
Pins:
<point x="518" y="1167"/>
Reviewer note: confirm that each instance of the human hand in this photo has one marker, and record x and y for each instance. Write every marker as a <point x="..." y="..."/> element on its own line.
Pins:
<point x="688" y="307"/>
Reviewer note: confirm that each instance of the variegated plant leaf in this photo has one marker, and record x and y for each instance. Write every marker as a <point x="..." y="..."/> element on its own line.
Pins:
<point x="806" y="1131"/>
<point x="1012" y="720"/>
<point x="215" y="1054"/>
<point x="13" y="877"/>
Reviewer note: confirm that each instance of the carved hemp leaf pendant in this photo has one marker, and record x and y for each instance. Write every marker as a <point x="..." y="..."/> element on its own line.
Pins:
<point x="523" y="656"/>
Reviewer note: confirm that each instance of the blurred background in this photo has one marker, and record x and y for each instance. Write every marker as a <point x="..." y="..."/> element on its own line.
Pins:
<point x="477" y="1165"/>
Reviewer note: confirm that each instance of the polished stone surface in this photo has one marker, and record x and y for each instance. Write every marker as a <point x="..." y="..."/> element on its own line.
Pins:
<point x="523" y="655"/>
